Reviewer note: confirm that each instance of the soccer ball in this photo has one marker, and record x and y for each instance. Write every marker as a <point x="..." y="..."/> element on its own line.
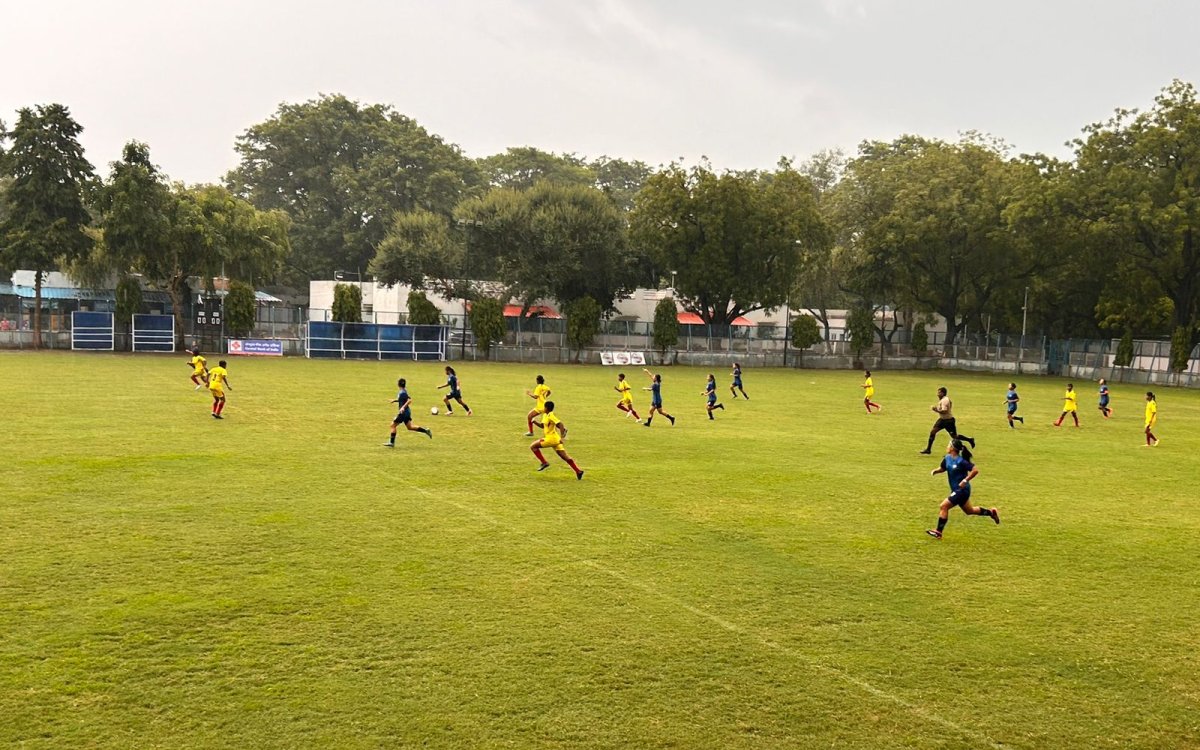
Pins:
<point x="433" y="411"/>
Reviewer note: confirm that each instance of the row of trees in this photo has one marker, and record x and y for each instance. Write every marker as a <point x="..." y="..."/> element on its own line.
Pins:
<point x="58" y="214"/>
<point x="1104" y="242"/>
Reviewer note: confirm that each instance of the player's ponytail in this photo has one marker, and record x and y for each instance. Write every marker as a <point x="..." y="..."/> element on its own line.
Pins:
<point x="961" y="448"/>
<point x="1150" y="395"/>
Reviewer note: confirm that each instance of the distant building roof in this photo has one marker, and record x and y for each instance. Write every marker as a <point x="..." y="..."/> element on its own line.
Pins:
<point x="692" y="319"/>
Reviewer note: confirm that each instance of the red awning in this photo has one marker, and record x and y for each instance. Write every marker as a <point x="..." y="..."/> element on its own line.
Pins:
<point x="535" y="311"/>
<point x="692" y="319"/>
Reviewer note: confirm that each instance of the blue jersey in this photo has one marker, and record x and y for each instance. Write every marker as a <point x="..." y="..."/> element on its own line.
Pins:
<point x="957" y="468"/>
<point x="452" y="381"/>
<point x="711" y="390"/>
<point x="1103" y="395"/>
<point x="1011" y="399"/>
<point x="656" y="393"/>
<point x="737" y="376"/>
<point x="401" y="400"/>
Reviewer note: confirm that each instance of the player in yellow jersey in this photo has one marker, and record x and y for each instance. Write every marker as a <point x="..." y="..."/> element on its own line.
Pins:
<point x="218" y="381"/>
<point x="539" y="394"/>
<point x="868" y="387"/>
<point x="1070" y="406"/>
<point x="554" y="433"/>
<point x="199" y="369"/>
<point x="626" y="402"/>
<point x="1151" y="419"/>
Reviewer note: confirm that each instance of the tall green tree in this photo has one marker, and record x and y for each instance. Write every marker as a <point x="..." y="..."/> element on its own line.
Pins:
<point x="666" y="325"/>
<point x="927" y="224"/>
<point x="583" y="323"/>
<point x="422" y="312"/>
<point x="487" y="323"/>
<point x="805" y="334"/>
<point x="173" y="234"/>
<point x="1140" y="175"/>
<point x="341" y="170"/>
<point x="45" y="215"/>
<point x="860" y="328"/>
<point x="556" y="241"/>
<point x="347" y="303"/>
<point x="425" y="250"/>
<point x="732" y="240"/>
<point x="522" y="167"/>
<point x="619" y="179"/>
<point x="240" y="309"/>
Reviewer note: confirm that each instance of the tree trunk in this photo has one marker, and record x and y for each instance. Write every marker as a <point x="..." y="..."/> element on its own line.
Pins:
<point x="37" y="309"/>
<point x="175" y="291"/>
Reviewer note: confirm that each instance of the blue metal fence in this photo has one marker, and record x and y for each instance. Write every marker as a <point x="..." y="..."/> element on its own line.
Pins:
<point x="92" y="331"/>
<point x="376" y="341"/>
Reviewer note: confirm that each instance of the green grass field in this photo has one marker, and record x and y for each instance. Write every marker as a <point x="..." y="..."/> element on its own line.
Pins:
<point x="278" y="579"/>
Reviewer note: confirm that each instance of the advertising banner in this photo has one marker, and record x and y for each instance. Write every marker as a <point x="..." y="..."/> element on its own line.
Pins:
<point x="256" y="347"/>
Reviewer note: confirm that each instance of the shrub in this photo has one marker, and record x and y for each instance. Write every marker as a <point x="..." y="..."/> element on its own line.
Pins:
<point x="240" y="309"/>
<point x="347" y="303"/>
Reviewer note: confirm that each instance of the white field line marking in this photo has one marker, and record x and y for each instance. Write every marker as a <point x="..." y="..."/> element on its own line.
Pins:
<point x="720" y="622"/>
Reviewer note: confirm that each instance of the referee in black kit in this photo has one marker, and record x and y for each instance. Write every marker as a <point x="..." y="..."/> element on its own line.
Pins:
<point x="945" y="411"/>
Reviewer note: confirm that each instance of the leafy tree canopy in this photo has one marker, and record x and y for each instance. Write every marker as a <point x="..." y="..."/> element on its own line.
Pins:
<point x="731" y="240"/>
<point x="341" y="170"/>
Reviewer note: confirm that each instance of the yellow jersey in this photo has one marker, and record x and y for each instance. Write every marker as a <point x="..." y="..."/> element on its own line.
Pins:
<point x="198" y="363"/>
<point x="1070" y="401"/>
<point x="1151" y="413"/>
<point x="540" y="392"/>
<point x="870" y="386"/>
<point x="216" y="378"/>
<point x="626" y="391"/>
<point x="550" y="425"/>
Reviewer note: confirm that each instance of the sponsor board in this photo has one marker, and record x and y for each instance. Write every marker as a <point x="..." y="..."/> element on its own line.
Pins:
<point x="256" y="347"/>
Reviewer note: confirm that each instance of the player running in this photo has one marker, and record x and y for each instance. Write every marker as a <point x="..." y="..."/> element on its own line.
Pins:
<point x="539" y="394"/>
<point x="199" y="369"/>
<point x="626" y="403"/>
<point x="710" y="391"/>
<point x="868" y="387"/>
<point x="957" y="465"/>
<point x="656" y="403"/>
<point x="944" y="408"/>
<point x="218" y="380"/>
<point x="1010" y="401"/>
<point x="1105" y="409"/>
<point x="455" y="393"/>
<point x="404" y="414"/>
<point x="554" y="433"/>
<point x="737" y="382"/>
<point x="1070" y="406"/>
<point x="1151" y="419"/>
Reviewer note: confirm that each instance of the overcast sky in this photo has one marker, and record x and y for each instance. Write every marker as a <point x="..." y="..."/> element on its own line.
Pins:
<point x="656" y="80"/>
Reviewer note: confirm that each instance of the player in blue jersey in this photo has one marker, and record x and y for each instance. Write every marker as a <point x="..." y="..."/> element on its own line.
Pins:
<point x="737" y="382"/>
<point x="1105" y="409"/>
<point x="710" y="392"/>
<point x="956" y="464"/>
<point x="455" y="393"/>
<point x="403" y="404"/>
<point x="1010" y="402"/>
<point x="656" y="402"/>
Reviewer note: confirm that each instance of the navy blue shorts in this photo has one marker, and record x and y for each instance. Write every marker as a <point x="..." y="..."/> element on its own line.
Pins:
<point x="737" y="382"/>
<point x="960" y="496"/>
<point x="403" y="417"/>
<point x="1104" y="401"/>
<point x="656" y="403"/>
<point x="454" y="394"/>
<point x="1012" y="408"/>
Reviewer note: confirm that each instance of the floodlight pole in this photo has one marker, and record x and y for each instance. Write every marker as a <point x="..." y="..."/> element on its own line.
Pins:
<point x="1024" y="320"/>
